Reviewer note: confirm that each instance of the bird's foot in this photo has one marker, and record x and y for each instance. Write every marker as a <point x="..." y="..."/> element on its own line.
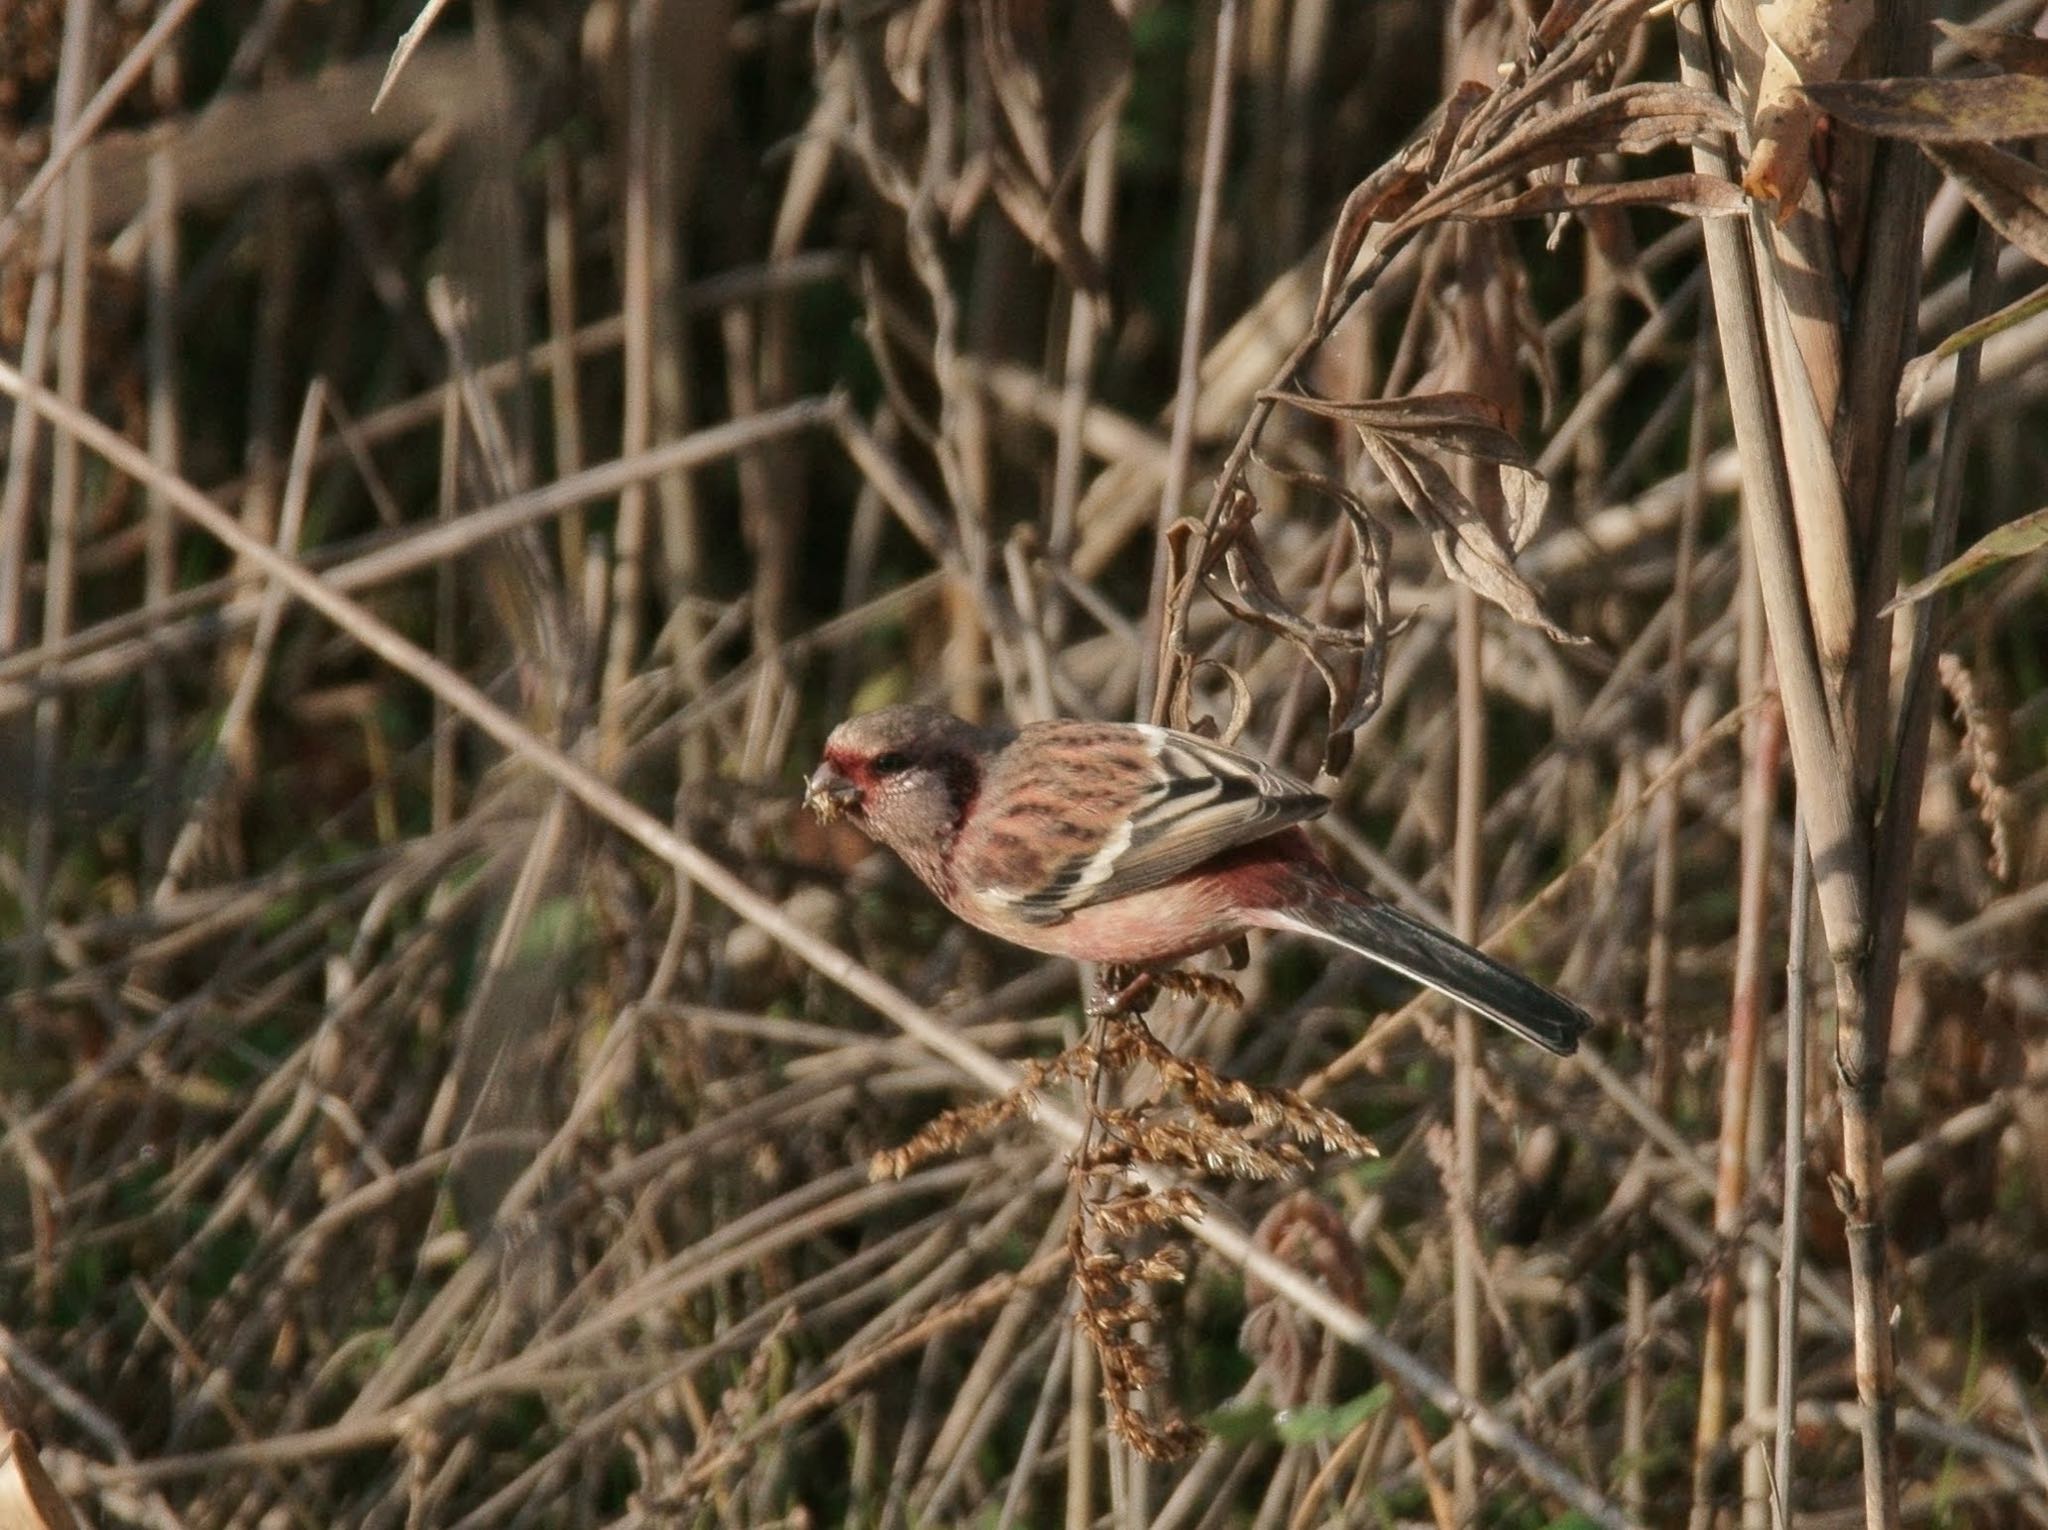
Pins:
<point x="1120" y="990"/>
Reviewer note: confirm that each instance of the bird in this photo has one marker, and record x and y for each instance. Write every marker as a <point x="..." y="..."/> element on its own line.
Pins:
<point x="1137" y="846"/>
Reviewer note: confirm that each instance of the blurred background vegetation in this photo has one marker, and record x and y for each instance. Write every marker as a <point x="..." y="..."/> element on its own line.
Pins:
<point x="397" y="1134"/>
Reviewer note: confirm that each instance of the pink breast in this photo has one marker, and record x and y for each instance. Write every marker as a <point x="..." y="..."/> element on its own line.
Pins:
<point x="1161" y="924"/>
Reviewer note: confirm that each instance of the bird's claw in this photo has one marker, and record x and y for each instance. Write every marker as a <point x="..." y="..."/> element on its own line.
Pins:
<point x="1123" y="990"/>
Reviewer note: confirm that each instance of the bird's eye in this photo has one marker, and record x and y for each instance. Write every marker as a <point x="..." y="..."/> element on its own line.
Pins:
<point x="890" y="763"/>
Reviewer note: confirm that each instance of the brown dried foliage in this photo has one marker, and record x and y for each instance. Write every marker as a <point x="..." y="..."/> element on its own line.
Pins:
<point x="1515" y="149"/>
<point x="1187" y="1120"/>
<point x="438" y="1140"/>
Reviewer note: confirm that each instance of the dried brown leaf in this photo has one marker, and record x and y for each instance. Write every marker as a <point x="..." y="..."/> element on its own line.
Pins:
<point x="1471" y="550"/>
<point x="2016" y="51"/>
<point x="1252" y="597"/>
<point x="1382" y="196"/>
<point x="1809" y="42"/>
<point x="1545" y="141"/>
<point x="1689" y="195"/>
<point x="1469" y="424"/>
<point x="1631" y="119"/>
<point x="1373" y="548"/>
<point x="2011" y="193"/>
<point x="1180" y="713"/>
<point x="1392" y="189"/>
<point x="1456" y="117"/>
<point x="2021" y="538"/>
<point x="1995" y="106"/>
<point x="1575" y="43"/>
<point x="1525" y="495"/>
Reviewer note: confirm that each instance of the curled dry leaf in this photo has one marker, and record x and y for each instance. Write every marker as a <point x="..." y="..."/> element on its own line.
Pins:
<point x="1176" y="664"/>
<point x="1689" y="195"/>
<point x="1403" y="438"/>
<point x="2011" y="193"/>
<point x="2016" y="539"/>
<point x="1382" y="196"/>
<point x="1372" y="550"/>
<point x="1470" y="549"/>
<point x="1180" y="711"/>
<point x="1996" y="106"/>
<point x="1921" y="369"/>
<point x="1252" y="595"/>
<point x="1808" y="43"/>
<point x="1444" y="176"/>
<point x="1465" y="424"/>
<point x="1576" y="40"/>
<point x="1469" y="424"/>
<point x="1454" y="123"/>
<point x="2016" y="51"/>
<point x="1391" y="190"/>
<point x="1632" y="119"/>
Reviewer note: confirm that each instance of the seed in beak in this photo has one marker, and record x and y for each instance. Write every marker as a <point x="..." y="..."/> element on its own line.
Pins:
<point x="828" y="793"/>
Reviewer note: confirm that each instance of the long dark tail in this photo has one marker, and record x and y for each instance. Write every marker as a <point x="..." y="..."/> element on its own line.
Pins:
<point x="1382" y="933"/>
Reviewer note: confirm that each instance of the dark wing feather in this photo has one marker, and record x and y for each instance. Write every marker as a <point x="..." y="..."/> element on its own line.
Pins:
<point x="1173" y="802"/>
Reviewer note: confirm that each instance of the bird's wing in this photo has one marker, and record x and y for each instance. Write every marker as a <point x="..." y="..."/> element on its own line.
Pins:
<point x="1073" y="814"/>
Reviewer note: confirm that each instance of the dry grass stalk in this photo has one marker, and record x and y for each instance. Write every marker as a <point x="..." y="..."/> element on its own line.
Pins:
<point x="239" y="1147"/>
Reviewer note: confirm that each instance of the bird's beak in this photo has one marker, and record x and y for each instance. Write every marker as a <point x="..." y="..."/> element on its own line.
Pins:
<point x="828" y="793"/>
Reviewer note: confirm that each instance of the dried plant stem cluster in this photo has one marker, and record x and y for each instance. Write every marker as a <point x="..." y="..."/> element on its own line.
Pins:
<point x="1184" y="1120"/>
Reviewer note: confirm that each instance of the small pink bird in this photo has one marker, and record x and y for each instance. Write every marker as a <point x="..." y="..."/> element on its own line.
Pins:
<point x="1135" y="845"/>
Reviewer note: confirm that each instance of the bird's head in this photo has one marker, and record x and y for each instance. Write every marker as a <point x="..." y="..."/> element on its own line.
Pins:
<point x="905" y="774"/>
